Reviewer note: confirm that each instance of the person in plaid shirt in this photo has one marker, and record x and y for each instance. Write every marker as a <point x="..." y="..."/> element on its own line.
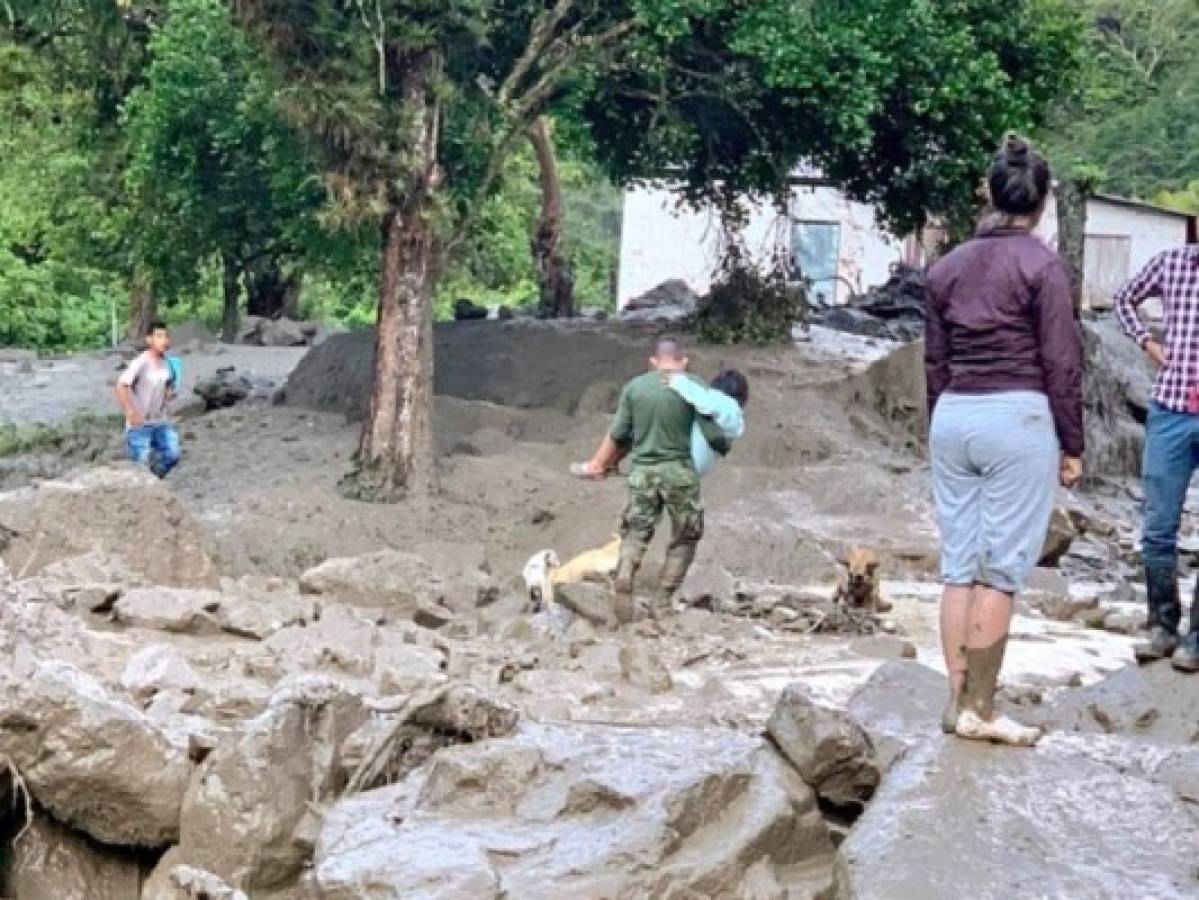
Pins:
<point x="1171" y="441"/>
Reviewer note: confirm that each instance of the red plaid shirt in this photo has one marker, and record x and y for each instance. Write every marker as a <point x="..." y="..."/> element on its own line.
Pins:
<point x="1174" y="277"/>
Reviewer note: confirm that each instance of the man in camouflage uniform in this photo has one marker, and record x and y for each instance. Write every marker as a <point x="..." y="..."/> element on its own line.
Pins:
<point x="656" y="423"/>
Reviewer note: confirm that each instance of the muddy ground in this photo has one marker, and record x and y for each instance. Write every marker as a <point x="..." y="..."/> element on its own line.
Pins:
<point x="832" y="459"/>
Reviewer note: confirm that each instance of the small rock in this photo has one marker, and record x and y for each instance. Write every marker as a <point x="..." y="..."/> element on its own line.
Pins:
<point x="174" y="610"/>
<point x="1057" y="542"/>
<point x="1119" y="623"/>
<point x="644" y="670"/>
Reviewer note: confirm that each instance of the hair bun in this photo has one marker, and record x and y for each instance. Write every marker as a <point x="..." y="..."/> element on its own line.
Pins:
<point x="1017" y="151"/>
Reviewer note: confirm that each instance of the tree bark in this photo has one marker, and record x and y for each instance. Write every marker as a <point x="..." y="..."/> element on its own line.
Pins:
<point x="1072" y="199"/>
<point x="143" y="307"/>
<point x="395" y="452"/>
<point x="232" y="288"/>
<point x="554" y="276"/>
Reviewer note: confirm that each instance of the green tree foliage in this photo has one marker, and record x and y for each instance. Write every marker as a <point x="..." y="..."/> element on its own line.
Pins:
<point x="213" y="171"/>
<point x="898" y="102"/>
<point x="1134" y="123"/>
<point x="58" y="229"/>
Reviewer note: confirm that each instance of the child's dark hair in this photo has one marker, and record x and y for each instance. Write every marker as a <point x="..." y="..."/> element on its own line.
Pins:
<point x="156" y="325"/>
<point x="733" y="383"/>
<point x="1019" y="178"/>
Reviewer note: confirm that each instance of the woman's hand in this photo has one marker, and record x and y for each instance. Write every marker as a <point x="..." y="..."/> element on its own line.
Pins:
<point x="1071" y="472"/>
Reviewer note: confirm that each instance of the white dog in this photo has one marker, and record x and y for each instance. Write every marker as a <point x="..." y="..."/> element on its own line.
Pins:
<point x="538" y="575"/>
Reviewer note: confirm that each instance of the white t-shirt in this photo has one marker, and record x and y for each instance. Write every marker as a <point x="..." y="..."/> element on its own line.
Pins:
<point x="147" y="378"/>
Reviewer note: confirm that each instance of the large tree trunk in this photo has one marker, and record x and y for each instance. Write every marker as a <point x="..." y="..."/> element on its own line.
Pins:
<point x="395" y="453"/>
<point x="270" y="293"/>
<point x="143" y="307"/>
<point x="232" y="289"/>
<point x="1072" y="199"/>
<point x="554" y="276"/>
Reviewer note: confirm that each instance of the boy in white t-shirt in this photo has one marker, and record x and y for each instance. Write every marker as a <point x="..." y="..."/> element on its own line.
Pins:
<point x="144" y="390"/>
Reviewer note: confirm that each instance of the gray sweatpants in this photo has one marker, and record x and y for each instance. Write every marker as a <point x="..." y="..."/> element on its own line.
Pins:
<point x="995" y="468"/>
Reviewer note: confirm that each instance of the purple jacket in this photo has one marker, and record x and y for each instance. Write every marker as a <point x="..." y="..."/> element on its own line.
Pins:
<point x="1000" y="318"/>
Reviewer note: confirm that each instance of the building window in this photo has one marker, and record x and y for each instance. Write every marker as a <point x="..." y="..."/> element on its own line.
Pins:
<point x="815" y="254"/>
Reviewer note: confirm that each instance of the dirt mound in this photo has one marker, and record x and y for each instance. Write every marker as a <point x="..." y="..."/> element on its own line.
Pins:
<point x="524" y="364"/>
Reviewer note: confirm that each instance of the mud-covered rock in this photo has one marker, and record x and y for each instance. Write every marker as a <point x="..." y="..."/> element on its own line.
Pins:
<point x="122" y="511"/>
<point x="1061" y="535"/>
<point x="155" y="669"/>
<point x="172" y="881"/>
<point x="828" y="748"/>
<point x="570" y="817"/>
<point x="247" y="816"/>
<point x="401" y="584"/>
<point x="282" y="332"/>
<point x="93" y="762"/>
<point x="1151" y="703"/>
<point x="900" y="707"/>
<point x="174" y="610"/>
<point x="961" y="819"/>
<point x="642" y="667"/>
<point x="52" y="862"/>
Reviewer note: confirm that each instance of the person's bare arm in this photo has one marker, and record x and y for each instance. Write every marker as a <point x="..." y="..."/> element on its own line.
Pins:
<point x="133" y="416"/>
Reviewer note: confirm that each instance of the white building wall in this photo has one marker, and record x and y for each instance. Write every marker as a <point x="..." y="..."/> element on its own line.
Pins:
<point x="661" y="241"/>
<point x="1147" y="230"/>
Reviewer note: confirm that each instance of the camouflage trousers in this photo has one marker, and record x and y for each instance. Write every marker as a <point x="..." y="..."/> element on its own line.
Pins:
<point x="672" y="488"/>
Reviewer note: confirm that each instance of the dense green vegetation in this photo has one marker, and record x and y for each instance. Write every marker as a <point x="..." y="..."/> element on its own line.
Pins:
<point x="1133" y="124"/>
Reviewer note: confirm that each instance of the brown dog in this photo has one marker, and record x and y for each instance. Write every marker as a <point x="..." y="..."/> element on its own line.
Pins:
<point x="859" y="587"/>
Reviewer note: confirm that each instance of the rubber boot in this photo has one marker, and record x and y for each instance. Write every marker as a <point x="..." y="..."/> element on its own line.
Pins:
<point x="1165" y="613"/>
<point x="953" y="711"/>
<point x="632" y="552"/>
<point x="1186" y="656"/>
<point x="674" y="573"/>
<point x="978" y="720"/>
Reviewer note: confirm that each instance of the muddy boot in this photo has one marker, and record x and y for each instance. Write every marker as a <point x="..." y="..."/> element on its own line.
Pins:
<point x="674" y="573"/>
<point x="1186" y="657"/>
<point x="978" y="721"/>
<point x="624" y="606"/>
<point x="1165" y="613"/>
<point x="953" y="711"/>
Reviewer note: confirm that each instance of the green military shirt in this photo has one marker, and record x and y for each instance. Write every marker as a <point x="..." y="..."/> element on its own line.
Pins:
<point x="655" y="420"/>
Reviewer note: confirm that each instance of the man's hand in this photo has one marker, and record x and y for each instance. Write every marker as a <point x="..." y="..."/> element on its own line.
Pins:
<point x="1156" y="352"/>
<point x="1071" y="472"/>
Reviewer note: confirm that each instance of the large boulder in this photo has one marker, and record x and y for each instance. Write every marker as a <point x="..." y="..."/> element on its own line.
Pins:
<point x="91" y="761"/>
<point x="281" y="332"/>
<point x="248" y="817"/>
<point x="1151" y="703"/>
<point x="176" y="610"/>
<point x="51" y="862"/>
<point x="122" y="511"/>
<point x="403" y="585"/>
<point x="1117" y="389"/>
<point x="960" y="819"/>
<point x="900" y="707"/>
<point x="828" y="748"/>
<point x="557" y="812"/>
<point x="670" y="301"/>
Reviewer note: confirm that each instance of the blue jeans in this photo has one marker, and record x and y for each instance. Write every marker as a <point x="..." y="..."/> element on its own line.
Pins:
<point x="1171" y="457"/>
<point x="154" y="445"/>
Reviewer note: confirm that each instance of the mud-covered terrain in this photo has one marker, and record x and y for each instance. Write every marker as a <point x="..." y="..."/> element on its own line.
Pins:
<point x="250" y="683"/>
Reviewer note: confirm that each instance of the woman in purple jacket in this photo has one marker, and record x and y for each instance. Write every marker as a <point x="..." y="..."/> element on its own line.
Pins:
<point x="1004" y="368"/>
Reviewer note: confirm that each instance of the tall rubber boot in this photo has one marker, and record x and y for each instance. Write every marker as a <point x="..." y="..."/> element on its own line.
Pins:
<point x="978" y="721"/>
<point x="1186" y="656"/>
<point x="1165" y="614"/>
<point x="674" y="572"/>
<point x="632" y="552"/>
